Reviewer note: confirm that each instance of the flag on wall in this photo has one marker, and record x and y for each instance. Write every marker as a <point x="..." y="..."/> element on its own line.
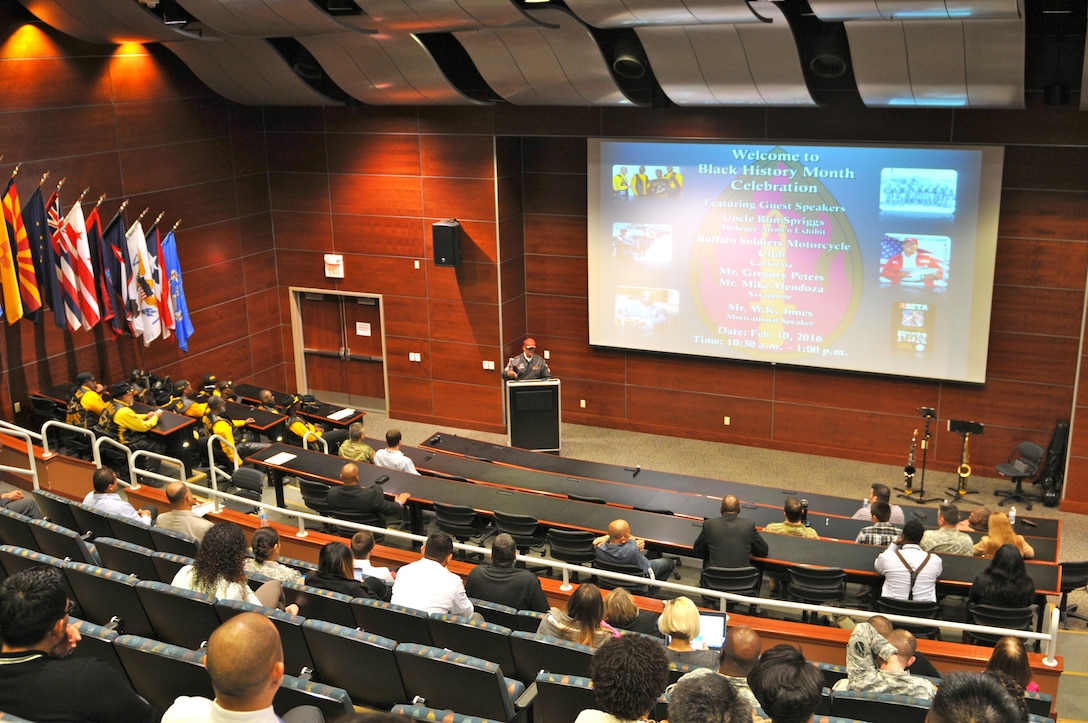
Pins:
<point x="24" y="258"/>
<point x="102" y="282"/>
<point x="75" y="233"/>
<point x="143" y="283"/>
<point x="9" y="279"/>
<point x="114" y="266"/>
<point x="179" y="308"/>
<point x="36" y="224"/>
<point x="160" y="283"/>
<point x="68" y="315"/>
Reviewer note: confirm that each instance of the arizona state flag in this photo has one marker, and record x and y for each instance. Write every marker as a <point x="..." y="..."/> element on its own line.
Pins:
<point x="24" y="258"/>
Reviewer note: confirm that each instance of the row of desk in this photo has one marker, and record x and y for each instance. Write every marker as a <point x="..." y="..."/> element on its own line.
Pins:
<point x="665" y="533"/>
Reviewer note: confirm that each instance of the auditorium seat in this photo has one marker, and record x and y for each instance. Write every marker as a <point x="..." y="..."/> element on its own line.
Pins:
<point x="878" y="707"/>
<point x="90" y="523"/>
<point x="423" y="713"/>
<point x="61" y="542"/>
<point x="361" y="663"/>
<point x="126" y="557"/>
<point x="297" y="659"/>
<point x="107" y="596"/>
<point x="455" y="681"/>
<point x="318" y="604"/>
<point x="56" y="508"/>
<point x="534" y="653"/>
<point x="561" y="697"/>
<point x="97" y="642"/>
<point x="334" y="703"/>
<point x="816" y="585"/>
<point x="529" y="620"/>
<point x="176" y="542"/>
<point x="130" y="531"/>
<point x="178" y="616"/>
<point x="16" y="559"/>
<point x="832" y="673"/>
<point x="15" y="530"/>
<point x="161" y="672"/>
<point x="167" y="564"/>
<point x="396" y="622"/>
<point x="478" y="639"/>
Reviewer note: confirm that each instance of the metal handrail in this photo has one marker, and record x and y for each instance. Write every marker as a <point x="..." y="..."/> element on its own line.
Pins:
<point x="311" y="434"/>
<point x="26" y="436"/>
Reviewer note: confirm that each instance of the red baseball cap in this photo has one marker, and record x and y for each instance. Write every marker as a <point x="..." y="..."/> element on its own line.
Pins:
<point x="529" y="343"/>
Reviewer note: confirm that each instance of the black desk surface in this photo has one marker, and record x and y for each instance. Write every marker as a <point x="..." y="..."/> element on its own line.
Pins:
<point x="262" y="420"/>
<point x="819" y="504"/>
<point x="662" y="532"/>
<point x="320" y="411"/>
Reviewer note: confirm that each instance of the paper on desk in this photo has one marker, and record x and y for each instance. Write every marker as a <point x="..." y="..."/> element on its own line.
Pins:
<point x="342" y="414"/>
<point x="203" y="509"/>
<point x="280" y="458"/>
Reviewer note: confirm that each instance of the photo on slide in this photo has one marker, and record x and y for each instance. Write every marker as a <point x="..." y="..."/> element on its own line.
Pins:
<point x="915" y="260"/>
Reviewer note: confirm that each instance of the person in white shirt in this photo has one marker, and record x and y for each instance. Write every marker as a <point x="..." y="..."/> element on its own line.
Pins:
<point x="910" y="573"/>
<point x="881" y="493"/>
<point x="427" y="585"/>
<point x="245" y="664"/>
<point x="362" y="543"/>
<point x="391" y="457"/>
<point x="105" y="498"/>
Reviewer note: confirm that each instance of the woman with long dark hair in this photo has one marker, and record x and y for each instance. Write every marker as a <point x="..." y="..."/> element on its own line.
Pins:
<point x="335" y="571"/>
<point x="583" y="621"/>
<point x="1005" y="582"/>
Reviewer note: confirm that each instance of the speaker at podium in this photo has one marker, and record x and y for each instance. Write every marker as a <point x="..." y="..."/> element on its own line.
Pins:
<point x="533" y="414"/>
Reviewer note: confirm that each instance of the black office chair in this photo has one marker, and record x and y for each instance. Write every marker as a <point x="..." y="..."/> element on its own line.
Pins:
<point x="524" y="529"/>
<point x="571" y="546"/>
<point x="1023" y="464"/>
<point x="914" y="609"/>
<point x="999" y="617"/>
<point x="738" y="580"/>
<point x="1074" y="576"/>
<point x="816" y="585"/>
<point x="606" y="583"/>
<point x="462" y="523"/>
<point x="315" y="495"/>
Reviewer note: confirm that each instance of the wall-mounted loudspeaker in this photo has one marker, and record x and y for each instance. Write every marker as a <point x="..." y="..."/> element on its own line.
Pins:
<point x="446" y="236"/>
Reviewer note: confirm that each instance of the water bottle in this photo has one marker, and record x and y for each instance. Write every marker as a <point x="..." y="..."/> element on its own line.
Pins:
<point x="262" y="515"/>
<point x="865" y="503"/>
<point x="1012" y="515"/>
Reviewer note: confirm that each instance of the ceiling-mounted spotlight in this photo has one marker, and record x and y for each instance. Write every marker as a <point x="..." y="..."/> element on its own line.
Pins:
<point x="828" y="56"/>
<point x="628" y="59"/>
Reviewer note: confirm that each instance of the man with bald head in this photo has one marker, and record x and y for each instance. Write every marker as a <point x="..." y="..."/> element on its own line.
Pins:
<point x="245" y="664"/>
<point x="180" y="518"/>
<point x="730" y="540"/>
<point x="620" y="548"/>
<point x="739" y="655"/>
<point x="350" y="497"/>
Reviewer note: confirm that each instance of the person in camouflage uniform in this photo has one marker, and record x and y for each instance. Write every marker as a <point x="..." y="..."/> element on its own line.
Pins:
<point x="874" y="665"/>
<point x="947" y="539"/>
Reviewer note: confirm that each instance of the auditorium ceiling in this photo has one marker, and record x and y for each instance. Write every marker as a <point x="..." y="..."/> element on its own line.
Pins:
<point x="648" y="53"/>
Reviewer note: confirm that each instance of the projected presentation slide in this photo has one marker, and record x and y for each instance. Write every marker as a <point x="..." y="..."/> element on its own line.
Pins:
<point x="862" y="258"/>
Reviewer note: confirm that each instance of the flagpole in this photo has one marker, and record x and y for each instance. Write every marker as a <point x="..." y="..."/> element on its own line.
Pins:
<point x="15" y="172"/>
<point x="176" y="224"/>
<point x="61" y="183"/>
<point x="44" y="176"/>
<point x="142" y="214"/>
<point x="100" y="200"/>
<point x="159" y="218"/>
<point x="85" y="191"/>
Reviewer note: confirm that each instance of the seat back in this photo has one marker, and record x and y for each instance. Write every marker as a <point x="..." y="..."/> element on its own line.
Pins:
<point x="573" y="546"/>
<point x="90" y="520"/>
<point x="126" y="557"/>
<point x="999" y="617"/>
<point x="478" y="639"/>
<point x="1039" y="703"/>
<point x="176" y="542"/>
<point x="878" y="707"/>
<point x="314" y="494"/>
<point x="528" y="621"/>
<point x="496" y="613"/>
<point x="108" y="596"/>
<point x="396" y="622"/>
<point x="97" y="642"/>
<point x="56" y="508"/>
<point x="250" y="479"/>
<point x="1074" y="575"/>
<point x="914" y="609"/>
<point x="1023" y="463"/>
<point x="16" y="559"/>
<point x="161" y="672"/>
<point x="129" y="531"/>
<point x="297" y="659"/>
<point x="560" y="697"/>
<point x="817" y="584"/>
<point x="317" y="604"/>
<point x="178" y="616"/>
<point x="832" y="673"/>
<point x="739" y="580"/>
<point x="534" y="653"/>
<point x="524" y="529"/>
<point x="458" y="521"/>
<point x="606" y="583"/>
<point x="423" y="713"/>
<point x="448" y="679"/>
<point x="167" y="564"/>
<point x="15" y="530"/>
<point x="334" y="703"/>
<point x="61" y="542"/>
<point x="362" y="664"/>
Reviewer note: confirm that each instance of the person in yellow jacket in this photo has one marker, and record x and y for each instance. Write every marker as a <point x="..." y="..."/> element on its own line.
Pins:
<point x="85" y="404"/>
<point x="121" y="421"/>
<point x="217" y="422"/>
<point x="620" y="186"/>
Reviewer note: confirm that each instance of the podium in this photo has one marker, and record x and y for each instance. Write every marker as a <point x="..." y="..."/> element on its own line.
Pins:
<point x="533" y="414"/>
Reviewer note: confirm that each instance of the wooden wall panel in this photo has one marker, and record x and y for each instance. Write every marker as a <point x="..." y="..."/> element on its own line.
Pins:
<point x="298" y="153"/>
<point x="1042" y="263"/>
<point x="1043" y="215"/>
<point x="260" y="272"/>
<point x="396" y="357"/>
<point x="1032" y="357"/>
<point x="303" y="231"/>
<point x="372" y="154"/>
<point x="256" y="233"/>
<point x="574" y="358"/>
<point x="700" y="415"/>
<point x="1058" y="125"/>
<point x="207" y="245"/>
<point x="455" y="119"/>
<point x="879" y="436"/>
<point x="556" y="235"/>
<point x="51" y="134"/>
<point x="406" y="317"/>
<point x="150" y="123"/>
<point x="467" y="282"/>
<point x="251" y="192"/>
<point x="548" y="194"/>
<point x="451" y="400"/>
<point x="352" y="119"/>
<point x="86" y="79"/>
<point x="513" y="279"/>
<point x="465" y="323"/>
<point x="300" y="192"/>
<point x="738" y="123"/>
<point x="377" y="195"/>
<point x="478" y="242"/>
<point x="409" y="397"/>
<point x="843" y="122"/>
<point x="695" y="374"/>
<point x="459" y="198"/>
<point x="457" y="156"/>
<point x="378" y="235"/>
<point x="461" y="364"/>
<point x="560" y="316"/>
<point x="1048" y="168"/>
<point x="841" y="392"/>
<point x="605" y="402"/>
<point x="1036" y="311"/>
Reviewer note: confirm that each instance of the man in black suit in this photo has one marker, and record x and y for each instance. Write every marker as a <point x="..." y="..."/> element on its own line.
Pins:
<point x="730" y="540"/>
<point x="350" y="497"/>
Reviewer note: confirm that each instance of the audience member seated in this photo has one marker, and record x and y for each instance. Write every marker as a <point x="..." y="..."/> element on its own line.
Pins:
<point x="972" y="698"/>
<point x="947" y="538"/>
<point x="501" y="582"/>
<point x="881" y="532"/>
<point x="1005" y="582"/>
<point x="730" y="540"/>
<point x="739" y="655"/>
<point x="217" y="422"/>
<point x="620" y="548"/>
<point x="787" y="686"/>
<point x="680" y="624"/>
<point x="427" y="585"/>
<point x="793" y="524"/>
<point x="1011" y="658"/>
<point x="350" y="497"/>
<point x="265" y="544"/>
<point x="39" y="680"/>
<point x="881" y="493"/>
<point x="16" y="501"/>
<point x="297" y="428"/>
<point x="85" y="403"/>
<point x="105" y="498"/>
<point x="910" y="573"/>
<point x="266" y="401"/>
<point x="180" y="518"/>
<point x="621" y="612"/>
<point x="977" y="521"/>
<point x="876" y="665"/>
<point x="1001" y="533"/>
<point x="362" y="544"/>
<point x="583" y="621"/>
<point x="707" y="699"/>
<point x="391" y="457"/>
<point x="218" y="570"/>
<point x="245" y="664"/>
<point x="921" y="664"/>
<point x="334" y="572"/>
<point x="628" y="674"/>
<point x="121" y="422"/>
<point x="354" y="448"/>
